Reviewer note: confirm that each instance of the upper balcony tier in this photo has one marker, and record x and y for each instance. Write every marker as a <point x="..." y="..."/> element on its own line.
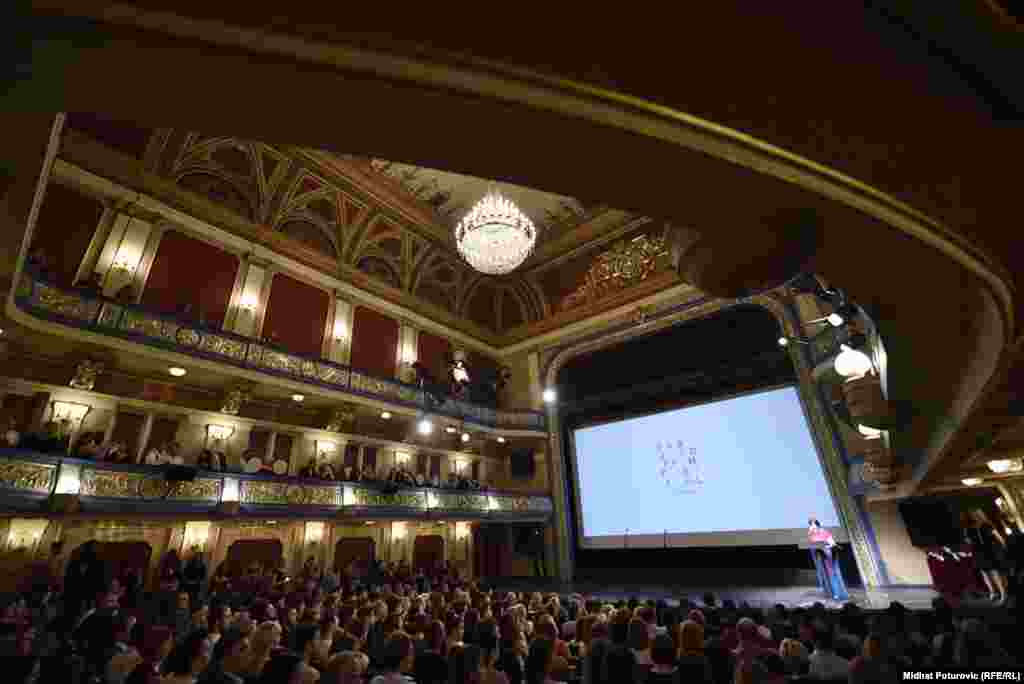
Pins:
<point x="90" y="312"/>
<point x="30" y="482"/>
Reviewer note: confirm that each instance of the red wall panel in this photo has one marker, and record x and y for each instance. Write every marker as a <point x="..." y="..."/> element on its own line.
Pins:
<point x="374" y="342"/>
<point x="191" y="273"/>
<point x="67" y="221"/>
<point x="433" y="351"/>
<point x="296" y="315"/>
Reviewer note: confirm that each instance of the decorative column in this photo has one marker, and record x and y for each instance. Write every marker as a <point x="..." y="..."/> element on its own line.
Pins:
<point x="338" y="344"/>
<point x="96" y="246"/>
<point x="147" y="429"/>
<point x="246" y="313"/>
<point x="122" y="255"/>
<point x="408" y="340"/>
<point x="536" y="382"/>
<point x="108" y="433"/>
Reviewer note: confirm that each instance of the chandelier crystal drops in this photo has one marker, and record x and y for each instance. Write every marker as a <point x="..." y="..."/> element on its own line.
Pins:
<point x="494" y="237"/>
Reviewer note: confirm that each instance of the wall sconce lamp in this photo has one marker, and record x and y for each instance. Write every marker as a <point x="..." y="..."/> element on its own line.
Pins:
<point x="197" y="534"/>
<point x="398" y="531"/>
<point x="248" y="304"/>
<point x="461" y="531"/>
<point x="325" y="450"/>
<point x="1001" y="466"/>
<point x="852" y="364"/>
<point x="549" y="396"/>
<point x="314" y="532"/>
<point x="25" y="533"/>
<point x="69" y="479"/>
<point x="459" y="466"/>
<point x="972" y="481"/>
<point x="402" y="458"/>
<point x="219" y="433"/>
<point x="66" y="410"/>
<point x="340" y="332"/>
<point x="424" y="426"/>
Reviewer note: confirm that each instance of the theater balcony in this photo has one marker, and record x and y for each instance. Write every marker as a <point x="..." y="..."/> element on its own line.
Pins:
<point x="38" y="483"/>
<point x="78" y="312"/>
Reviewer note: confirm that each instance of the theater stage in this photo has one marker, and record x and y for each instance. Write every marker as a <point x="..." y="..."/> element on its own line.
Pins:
<point x="915" y="598"/>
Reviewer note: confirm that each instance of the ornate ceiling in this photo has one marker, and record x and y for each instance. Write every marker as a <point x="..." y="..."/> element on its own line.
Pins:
<point x="451" y="195"/>
<point x="392" y="223"/>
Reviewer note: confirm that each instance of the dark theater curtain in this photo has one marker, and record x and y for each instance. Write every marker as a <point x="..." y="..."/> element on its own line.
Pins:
<point x="128" y="429"/>
<point x="370" y="458"/>
<point x="374" y="343"/>
<point x="245" y="552"/>
<point x="188" y="273"/>
<point x="283" y="449"/>
<point x="164" y="431"/>
<point x="119" y="557"/>
<point x="492" y="555"/>
<point x="296" y="315"/>
<point x="433" y="351"/>
<point x="65" y="226"/>
<point x="435" y="465"/>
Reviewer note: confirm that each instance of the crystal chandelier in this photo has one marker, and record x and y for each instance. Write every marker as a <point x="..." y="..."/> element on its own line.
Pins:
<point x="495" y="237"/>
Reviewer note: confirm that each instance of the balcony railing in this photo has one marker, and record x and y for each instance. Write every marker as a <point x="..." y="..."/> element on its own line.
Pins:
<point x="100" y="315"/>
<point x="29" y="479"/>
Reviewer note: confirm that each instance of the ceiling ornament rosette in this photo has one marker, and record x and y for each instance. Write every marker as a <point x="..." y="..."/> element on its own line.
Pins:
<point x="625" y="264"/>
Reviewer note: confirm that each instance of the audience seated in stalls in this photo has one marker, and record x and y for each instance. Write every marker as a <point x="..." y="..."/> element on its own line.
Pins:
<point x="341" y="632"/>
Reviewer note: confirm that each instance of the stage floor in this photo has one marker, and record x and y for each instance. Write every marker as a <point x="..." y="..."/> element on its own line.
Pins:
<point x="914" y="598"/>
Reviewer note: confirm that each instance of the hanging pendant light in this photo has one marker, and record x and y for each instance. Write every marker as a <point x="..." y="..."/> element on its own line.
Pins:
<point x="494" y="237"/>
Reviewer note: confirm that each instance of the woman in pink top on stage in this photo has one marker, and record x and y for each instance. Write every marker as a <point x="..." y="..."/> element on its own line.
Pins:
<point x="830" y="577"/>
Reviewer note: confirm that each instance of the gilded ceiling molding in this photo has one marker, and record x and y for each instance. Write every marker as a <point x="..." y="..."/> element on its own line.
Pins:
<point x="624" y="265"/>
<point x="478" y="77"/>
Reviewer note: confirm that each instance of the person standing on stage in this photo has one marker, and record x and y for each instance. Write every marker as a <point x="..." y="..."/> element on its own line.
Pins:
<point x="830" y="578"/>
<point x="989" y="552"/>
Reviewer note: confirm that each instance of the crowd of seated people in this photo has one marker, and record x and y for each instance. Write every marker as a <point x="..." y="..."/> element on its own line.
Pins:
<point x="398" y="474"/>
<point x="91" y="446"/>
<point x="396" y="625"/>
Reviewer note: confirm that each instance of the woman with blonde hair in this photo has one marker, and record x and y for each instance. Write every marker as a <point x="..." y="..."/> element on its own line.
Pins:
<point x="794" y="657"/>
<point x="693" y="662"/>
<point x="264" y="640"/>
<point x="347" y="667"/>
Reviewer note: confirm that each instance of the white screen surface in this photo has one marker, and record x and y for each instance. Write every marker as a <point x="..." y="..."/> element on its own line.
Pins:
<point x="742" y="471"/>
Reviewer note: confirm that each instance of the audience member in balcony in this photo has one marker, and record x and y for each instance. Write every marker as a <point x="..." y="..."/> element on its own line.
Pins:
<point x="308" y="470"/>
<point x="12" y="436"/>
<point x="91" y="286"/>
<point x="127" y="295"/>
<point x="39" y="262"/>
<point x="117" y="452"/>
<point x="167" y="454"/>
<point x="211" y="460"/>
<point x="326" y="471"/>
<point x="89" y="446"/>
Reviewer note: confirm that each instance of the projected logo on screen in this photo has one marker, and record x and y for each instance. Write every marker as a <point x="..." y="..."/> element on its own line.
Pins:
<point x="679" y="467"/>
